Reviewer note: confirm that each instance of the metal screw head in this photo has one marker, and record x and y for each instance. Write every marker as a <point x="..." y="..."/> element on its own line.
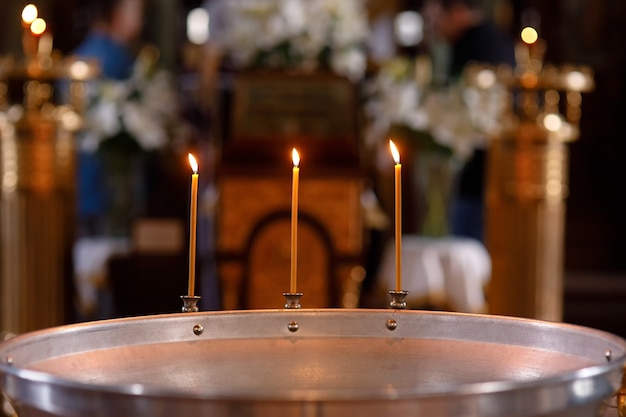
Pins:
<point x="391" y="324"/>
<point x="198" y="329"/>
<point x="293" y="326"/>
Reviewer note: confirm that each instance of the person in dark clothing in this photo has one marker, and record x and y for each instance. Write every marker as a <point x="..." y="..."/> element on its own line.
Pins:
<point x="472" y="39"/>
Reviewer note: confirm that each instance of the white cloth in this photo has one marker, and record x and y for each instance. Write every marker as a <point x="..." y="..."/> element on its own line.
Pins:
<point x="451" y="269"/>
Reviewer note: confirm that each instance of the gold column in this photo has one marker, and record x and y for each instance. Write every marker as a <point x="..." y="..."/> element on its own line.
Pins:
<point x="37" y="192"/>
<point x="526" y="183"/>
<point x="525" y="203"/>
<point x="32" y="225"/>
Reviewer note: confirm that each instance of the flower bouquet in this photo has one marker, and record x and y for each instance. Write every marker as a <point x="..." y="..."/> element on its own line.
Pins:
<point x="442" y="126"/>
<point x="140" y="113"/>
<point x="124" y="123"/>
<point x="300" y="35"/>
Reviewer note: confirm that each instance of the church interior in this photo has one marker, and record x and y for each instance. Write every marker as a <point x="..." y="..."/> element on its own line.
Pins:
<point x="455" y="155"/>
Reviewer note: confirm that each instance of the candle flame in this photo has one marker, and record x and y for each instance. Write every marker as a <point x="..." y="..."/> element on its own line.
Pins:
<point x="295" y="157"/>
<point x="29" y="14"/>
<point x="193" y="163"/>
<point x="529" y="35"/>
<point x="38" y="26"/>
<point x="394" y="152"/>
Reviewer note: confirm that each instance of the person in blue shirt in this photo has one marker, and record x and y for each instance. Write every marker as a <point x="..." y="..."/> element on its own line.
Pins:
<point x="116" y="26"/>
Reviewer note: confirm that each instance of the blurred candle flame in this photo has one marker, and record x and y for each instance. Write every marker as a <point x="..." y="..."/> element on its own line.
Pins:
<point x="29" y="14"/>
<point x="295" y="157"/>
<point x="38" y="26"/>
<point x="529" y="35"/>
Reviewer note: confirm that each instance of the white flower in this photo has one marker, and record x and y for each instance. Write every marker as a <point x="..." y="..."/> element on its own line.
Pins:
<point x="296" y="33"/>
<point x="140" y="123"/>
<point x="104" y="118"/>
<point x="144" y="106"/>
<point x="459" y="119"/>
<point x="450" y="122"/>
<point x="350" y="63"/>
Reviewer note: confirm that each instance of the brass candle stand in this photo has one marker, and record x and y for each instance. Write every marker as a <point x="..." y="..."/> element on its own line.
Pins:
<point x="37" y="185"/>
<point x="526" y="180"/>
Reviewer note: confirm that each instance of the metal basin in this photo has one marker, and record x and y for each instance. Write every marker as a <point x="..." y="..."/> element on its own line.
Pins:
<point x="313" y="363"/>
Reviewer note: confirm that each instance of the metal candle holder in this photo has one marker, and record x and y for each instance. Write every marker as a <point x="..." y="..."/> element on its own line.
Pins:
<point x="190" y="303"/>
<point x="292" y="300"/>
<point x="398" y="299"/>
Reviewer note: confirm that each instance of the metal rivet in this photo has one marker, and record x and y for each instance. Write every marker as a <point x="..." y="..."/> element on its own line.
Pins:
<point x="608" y="355"/>
<point x="293" y="326"/>
<point x="391" y="324"/>
<point x="198" y="329"/>
<point x="9" y="360"/>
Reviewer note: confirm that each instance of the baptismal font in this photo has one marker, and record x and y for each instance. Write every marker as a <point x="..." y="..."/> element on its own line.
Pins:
<point x="527" y="178"/>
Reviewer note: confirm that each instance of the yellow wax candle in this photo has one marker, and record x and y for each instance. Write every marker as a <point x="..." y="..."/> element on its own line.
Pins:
<point x="294" y="219"/>
<point x="193" y="219"/>
<point x="398" y="214"/>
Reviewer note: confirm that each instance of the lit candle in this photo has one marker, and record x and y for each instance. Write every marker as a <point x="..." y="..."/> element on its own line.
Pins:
<point x="398" y="193"/>
<point x="193" y="216"/>
<point x="294" y="218"/>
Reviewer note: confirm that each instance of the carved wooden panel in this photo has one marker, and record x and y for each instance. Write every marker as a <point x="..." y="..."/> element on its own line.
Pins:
<point x="335" y="203"/>
<point x="269" y="266"/>
<point x="253" y="239"/>
<point x="280" y="106"/>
